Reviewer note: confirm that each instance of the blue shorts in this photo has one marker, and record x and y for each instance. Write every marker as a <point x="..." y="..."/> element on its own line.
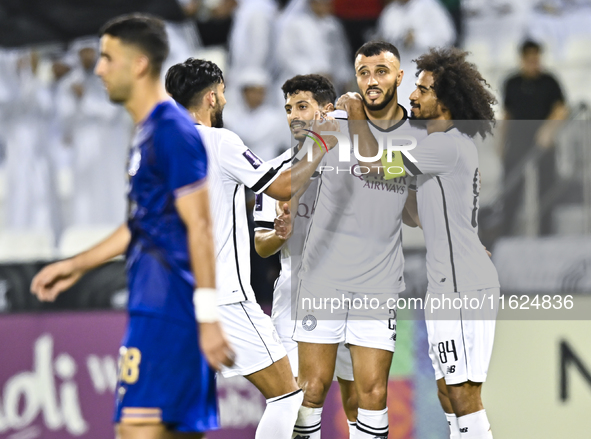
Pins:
<point x="164" y="377"/>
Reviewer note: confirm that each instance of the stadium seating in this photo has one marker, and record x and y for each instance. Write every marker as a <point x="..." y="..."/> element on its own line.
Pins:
<point x="25" y="245"/>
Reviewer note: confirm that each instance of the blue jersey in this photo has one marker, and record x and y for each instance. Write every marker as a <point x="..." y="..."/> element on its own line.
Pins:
<point x="167" y="160"/>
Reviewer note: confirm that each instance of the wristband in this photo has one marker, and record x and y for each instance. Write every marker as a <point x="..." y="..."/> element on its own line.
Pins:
<point x="206" y="306"/>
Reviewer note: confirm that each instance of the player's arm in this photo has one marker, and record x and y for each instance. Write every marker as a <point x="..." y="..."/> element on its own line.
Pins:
<point x="268" y="242"/>
<point x="352" y="103"/>
<point x="293" y="180"/>
<point x="410" y="214"/>
<point x="193" y="208"/>
<point x="60" y="276"/>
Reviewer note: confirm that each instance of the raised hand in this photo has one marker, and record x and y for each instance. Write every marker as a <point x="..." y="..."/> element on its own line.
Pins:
<point x="351" y="103"/>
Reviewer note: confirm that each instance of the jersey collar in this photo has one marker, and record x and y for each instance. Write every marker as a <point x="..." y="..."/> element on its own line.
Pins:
<point x="395" y="126"/>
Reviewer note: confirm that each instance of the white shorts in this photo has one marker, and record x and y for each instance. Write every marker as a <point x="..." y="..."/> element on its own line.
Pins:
<point x="364" y="319"/>
<point x="252" y="336"/>
<point x="461" y="341"/>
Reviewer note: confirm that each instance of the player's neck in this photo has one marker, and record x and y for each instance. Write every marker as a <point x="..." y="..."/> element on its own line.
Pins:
<point x="201" y="116"/>
<point x="439" y="125"/>
<point x="388" y="116"/>
<point x="144" y="98"/>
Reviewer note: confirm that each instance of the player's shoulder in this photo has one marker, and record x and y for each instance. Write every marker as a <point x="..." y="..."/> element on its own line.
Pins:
<point x="444" y="138"/>
<point x="173" y="124"/>
<point x="219" y="135"/>
<point x="169" y="113"/>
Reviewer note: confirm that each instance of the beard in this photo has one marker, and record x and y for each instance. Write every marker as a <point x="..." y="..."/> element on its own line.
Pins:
<point x="217" y="120"/>
<point x="388" y="96"/>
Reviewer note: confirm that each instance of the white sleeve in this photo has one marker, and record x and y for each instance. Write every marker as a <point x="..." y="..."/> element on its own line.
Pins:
<point x="243" y="166"/>
<point x="437" y="154"/>
<point x="264" y="212"/>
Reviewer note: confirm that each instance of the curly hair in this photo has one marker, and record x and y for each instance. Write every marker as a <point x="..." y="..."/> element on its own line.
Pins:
<point x="460" y="87"/>
<point x="321" y="88"/>
<point x="185" y="81"/>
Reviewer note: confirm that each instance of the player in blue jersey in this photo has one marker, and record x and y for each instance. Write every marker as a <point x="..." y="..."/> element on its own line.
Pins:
<point x="166" y="388"/>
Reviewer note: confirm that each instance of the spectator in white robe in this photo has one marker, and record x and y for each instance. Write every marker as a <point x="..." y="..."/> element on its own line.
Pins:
<point x="183" y="37"/>
<point x="312" y="40"/>
<point x="250" y="40"/>
<point x="414" y="26"/>
<point x="31" y="200"/>
<point x="99" y="133"/>
<point x="260" y="125"/>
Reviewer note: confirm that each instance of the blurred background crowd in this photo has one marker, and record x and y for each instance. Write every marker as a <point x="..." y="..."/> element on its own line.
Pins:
<point x="63" y="145"/>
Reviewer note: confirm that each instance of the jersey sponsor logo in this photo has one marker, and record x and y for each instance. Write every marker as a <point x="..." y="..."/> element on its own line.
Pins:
<point x="309" y="322"/>
<point x="304" y="211"/>
<point x="252" y="158"/>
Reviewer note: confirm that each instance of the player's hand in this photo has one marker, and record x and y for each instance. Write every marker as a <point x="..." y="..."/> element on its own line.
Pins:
<point x="324" y="122"/>
<point x="283" y="223"/>
<point x="54" y="279"/>
<point x="215" y="346"/>
<point x="352" y="103"/>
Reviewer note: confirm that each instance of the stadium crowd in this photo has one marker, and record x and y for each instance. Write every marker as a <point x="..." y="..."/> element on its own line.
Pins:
<point x="63" y="145"/>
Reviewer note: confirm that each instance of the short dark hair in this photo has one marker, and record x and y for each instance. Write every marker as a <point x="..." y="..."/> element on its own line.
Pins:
<point x="528" y="45"/>
<point x="185" y="81"/>
<point x="321" y="88"/>
<point x="461" y="89"/>
<point x="144" y="31"/>
<point x="373" y="48"/>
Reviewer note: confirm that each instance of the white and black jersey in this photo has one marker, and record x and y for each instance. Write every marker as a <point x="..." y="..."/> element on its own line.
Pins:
<point x="264" y="214"/>
<point x="448" y="186"/>
<point x="232" y="166"/>
<point x="354" y="242"/>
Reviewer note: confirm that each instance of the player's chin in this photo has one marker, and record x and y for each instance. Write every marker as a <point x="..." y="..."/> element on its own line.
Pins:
<point x="299" y="135"/>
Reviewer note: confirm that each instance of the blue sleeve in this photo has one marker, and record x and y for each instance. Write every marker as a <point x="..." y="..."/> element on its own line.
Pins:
<point x="181" y="157"/>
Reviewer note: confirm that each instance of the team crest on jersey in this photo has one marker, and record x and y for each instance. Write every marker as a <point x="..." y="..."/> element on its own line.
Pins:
<point x="252" y="158"/>
<point x="134" y="162"/>
<point x="309" y="322"/>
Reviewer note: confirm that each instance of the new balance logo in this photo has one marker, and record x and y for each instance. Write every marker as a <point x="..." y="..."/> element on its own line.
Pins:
<point x="451" y="369"/>
<point x="442" y="279"/>
<point x="464" y="430"/>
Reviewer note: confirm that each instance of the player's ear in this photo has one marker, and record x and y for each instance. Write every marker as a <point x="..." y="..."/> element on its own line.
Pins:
<point x="211" y="98"/>
<point x="328" y="108"/>
<point x="399" y="77"/>
<point x="443" y="109"/>
<point x="142" y="65"/>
